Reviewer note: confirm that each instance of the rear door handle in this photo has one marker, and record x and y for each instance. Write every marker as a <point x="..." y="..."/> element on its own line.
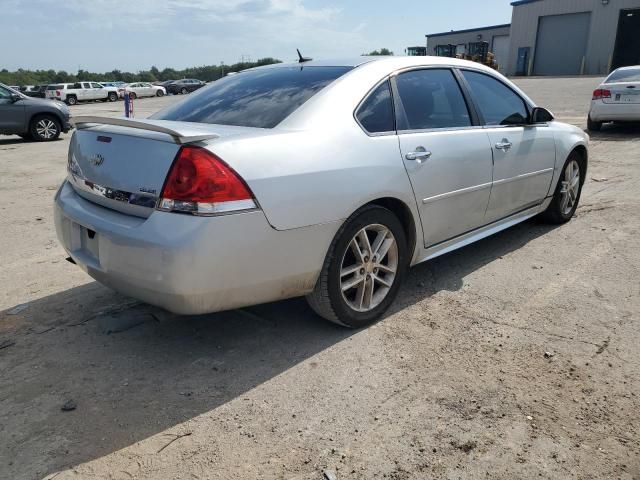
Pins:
<point x="504" y="145"/>
<point x="420" y="155"/>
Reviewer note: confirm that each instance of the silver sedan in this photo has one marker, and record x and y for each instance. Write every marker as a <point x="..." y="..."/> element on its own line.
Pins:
<point x="323" y="179"/>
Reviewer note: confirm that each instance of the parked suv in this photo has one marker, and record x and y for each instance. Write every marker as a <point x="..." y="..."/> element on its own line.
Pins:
<point x="186" y="85"/>
<point x="36" y="91"/>
<point x="72" y="93"/>
<point x="31" y="118"/>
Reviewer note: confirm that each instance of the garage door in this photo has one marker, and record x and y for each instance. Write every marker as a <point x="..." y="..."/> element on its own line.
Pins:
<point x="500" y="48"/>
<point x="561" y="44"/>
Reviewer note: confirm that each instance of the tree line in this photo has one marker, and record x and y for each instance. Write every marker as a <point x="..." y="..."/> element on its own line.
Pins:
<point x="205" y="73"/>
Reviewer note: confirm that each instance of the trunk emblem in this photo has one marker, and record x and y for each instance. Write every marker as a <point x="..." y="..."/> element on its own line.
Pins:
<point x="96" y="160"/>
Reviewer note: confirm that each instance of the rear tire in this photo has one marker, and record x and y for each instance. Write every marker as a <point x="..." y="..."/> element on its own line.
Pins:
<point x="567" y="195"/>
<point x="593" y="126"/>
<point x="71" y="100"/>
<point x="45" y="128"/>
<point x="132" y="96"/>
<point x="363" y="270"/>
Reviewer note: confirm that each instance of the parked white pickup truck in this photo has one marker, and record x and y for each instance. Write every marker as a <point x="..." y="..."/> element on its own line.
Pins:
<point x="72" y="93"/>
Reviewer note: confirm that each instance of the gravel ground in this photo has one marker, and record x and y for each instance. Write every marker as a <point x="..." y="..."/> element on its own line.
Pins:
<point x="516" y="357"/>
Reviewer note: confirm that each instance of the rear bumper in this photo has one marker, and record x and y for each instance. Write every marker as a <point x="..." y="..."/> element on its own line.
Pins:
<point x="608" y="112"/>
<point x="188" y="264"/>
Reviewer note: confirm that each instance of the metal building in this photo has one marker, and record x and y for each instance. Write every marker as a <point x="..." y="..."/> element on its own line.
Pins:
<point x="462" y="41"/>
<point x="573" y="37"/>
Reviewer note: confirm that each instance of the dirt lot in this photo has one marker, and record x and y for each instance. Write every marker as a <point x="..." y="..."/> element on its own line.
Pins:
<point x="454" y="383"/>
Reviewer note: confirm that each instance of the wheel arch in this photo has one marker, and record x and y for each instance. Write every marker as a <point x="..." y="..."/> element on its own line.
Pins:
<point x="401" y="210"/>
<point x="33" y="116"/>
<point x="583" y="153"/>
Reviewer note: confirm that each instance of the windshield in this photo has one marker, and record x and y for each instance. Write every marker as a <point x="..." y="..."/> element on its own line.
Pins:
<point x="626" y="75"/>
<point x="256" y="98"/>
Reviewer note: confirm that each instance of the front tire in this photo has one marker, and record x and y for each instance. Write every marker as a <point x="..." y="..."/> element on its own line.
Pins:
<point x="593" y="126"/>
<point x="45" y="128"/>
<point x="112" y="97"/>
<point x="363" y="269"/>
<point x="159" y="93"/>
<point x="567" y="195"/>
<point x="184" y="91"/>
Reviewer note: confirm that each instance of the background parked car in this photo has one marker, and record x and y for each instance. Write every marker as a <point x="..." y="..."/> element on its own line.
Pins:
<point x="617" y="99"/>
<point x="31" y="118"/>
<point x="142" y="89"/>
<point x="164" y="83"/>
<point x="112" y="84"/>
<point x="72" y="93"/>
<point x="186" y="85"/>
<point x="36" y="91"/>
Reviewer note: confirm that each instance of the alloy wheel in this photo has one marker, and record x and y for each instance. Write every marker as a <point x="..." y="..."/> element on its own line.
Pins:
<point x="570" y="187"/>
<point x="46" y="128"/>
<point x="368" y="268"/>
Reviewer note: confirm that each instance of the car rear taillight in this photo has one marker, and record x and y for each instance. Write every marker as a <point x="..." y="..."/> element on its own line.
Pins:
<point x="202" y="184"/>
<point x="57" y="93"/>
<point x="601" y="93"/>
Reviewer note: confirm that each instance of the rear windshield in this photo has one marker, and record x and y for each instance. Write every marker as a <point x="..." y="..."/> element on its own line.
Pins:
<point x="627" y="75"/>
<point x="256" y="98"/>
<point x="55" y="87"/>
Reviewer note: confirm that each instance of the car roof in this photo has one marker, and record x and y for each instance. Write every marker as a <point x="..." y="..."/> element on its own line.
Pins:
<point x="394" y="62"/>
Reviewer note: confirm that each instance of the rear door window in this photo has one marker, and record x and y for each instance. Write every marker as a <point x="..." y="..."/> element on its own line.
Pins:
<point x="261" y="98"/>
<point x="498" y="104"/>
<point x="431" y="98"/>
<point x="376" y="112"/>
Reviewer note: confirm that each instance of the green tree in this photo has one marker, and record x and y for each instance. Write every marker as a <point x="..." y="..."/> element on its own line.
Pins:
<point x="204" y="72"/>
<point x="381" y="52"/>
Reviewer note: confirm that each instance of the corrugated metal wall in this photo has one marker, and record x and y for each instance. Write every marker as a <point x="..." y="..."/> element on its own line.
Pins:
<point x="602" y="31"/>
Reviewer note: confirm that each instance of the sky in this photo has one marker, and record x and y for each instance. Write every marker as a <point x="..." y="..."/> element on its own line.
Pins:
<point x="133" y="35"/>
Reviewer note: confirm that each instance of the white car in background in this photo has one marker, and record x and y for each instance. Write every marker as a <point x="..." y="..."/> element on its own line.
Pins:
<point x="617" y="99"/>
<point x="142" y="89"/>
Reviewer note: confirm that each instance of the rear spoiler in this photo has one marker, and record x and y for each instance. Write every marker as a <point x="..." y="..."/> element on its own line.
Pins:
<point x="86" y="121"/>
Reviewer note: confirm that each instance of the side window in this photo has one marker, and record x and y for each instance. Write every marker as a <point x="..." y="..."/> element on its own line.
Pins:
<point x="376" y="113"/>
<point x="77" y="86"/>
<point x="96" y="85"/>
<point x="498" y="104"/>
<point x="432" y="98"/>
<point x="4" y="93"/>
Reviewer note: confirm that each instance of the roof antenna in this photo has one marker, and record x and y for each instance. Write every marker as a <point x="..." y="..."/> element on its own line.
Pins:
<point x="302" y="59"/>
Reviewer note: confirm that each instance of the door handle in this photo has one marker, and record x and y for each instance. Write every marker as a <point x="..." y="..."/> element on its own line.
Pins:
<point x="505" y="145"/>
<point x="420" y="155"/>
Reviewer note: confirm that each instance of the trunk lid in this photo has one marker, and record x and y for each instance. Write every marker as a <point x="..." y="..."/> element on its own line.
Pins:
<point x="622" y="92"/>
<point x="122" y="164"/>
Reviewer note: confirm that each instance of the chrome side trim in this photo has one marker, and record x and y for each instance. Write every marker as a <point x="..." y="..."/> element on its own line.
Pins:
<point x="482" y="232"/>
<point x="138" y="199"/>
<point x="523" y="176"/>
<point x="462" y="191"/>
<point x="86" y="121"/>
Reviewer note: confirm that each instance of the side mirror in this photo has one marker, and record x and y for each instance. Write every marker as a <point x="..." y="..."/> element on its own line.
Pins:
<point x="541" y="115"/>
<point x="15" y="97"/>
